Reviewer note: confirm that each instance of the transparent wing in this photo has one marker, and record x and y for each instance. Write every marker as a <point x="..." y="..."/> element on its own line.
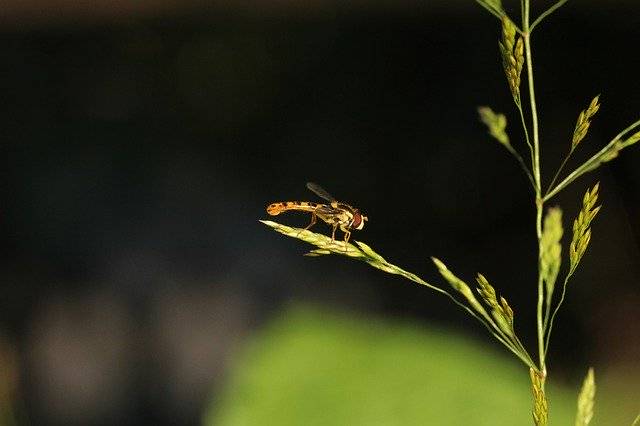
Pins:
<point x="320" y="192"/>
<point x="326" y="213"/>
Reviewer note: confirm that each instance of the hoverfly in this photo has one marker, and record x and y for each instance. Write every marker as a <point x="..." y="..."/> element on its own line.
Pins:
<point x="336" y="214"/>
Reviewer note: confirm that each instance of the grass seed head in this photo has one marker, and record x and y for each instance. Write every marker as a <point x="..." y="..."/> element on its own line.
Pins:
<point x="586" y="398"/>
<point x="540" y="407"/>
<point x="581" y="227"/>
<point x="584" y="121"/>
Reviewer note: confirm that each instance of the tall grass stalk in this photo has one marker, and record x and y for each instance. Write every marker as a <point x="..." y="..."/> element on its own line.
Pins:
<point x="490" y="309"/>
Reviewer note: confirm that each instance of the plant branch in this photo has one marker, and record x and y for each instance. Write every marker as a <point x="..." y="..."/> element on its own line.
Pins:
<point x="546" y="13"/>
<point x="540" y="305"/>
<point x="490" y="8"/>
<point x="366" y="254"/>
<point x="534" y="112"/>
<point x="518" y="157"/>
<point x="526" y="135"/>
<point x="595" y="161"/>
<point x="536" y="174"/>
<point x="555" y="311"/>
<point x="555" y="177"/>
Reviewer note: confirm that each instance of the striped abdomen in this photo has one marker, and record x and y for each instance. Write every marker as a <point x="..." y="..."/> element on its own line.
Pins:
<point x="305" y="206"/>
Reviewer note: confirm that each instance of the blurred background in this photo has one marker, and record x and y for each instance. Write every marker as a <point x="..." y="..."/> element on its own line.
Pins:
<point x="143" y="140"/>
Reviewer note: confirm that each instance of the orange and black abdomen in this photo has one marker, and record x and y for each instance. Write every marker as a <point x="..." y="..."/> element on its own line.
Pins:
<point x="277" y="208"/>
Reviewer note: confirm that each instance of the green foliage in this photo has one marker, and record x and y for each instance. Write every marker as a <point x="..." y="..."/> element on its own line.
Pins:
<point x="317" y="368"/>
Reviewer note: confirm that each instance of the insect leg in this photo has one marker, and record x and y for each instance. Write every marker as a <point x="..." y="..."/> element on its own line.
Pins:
<point x="347" y="234"/>
<point x="313" y="221"/>
<point x="333" y="234"/>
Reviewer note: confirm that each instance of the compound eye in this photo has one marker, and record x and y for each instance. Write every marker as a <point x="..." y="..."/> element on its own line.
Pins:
<point x="357" y="222"/>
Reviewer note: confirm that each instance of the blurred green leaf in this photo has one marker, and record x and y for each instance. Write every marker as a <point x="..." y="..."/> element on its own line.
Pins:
<point x="311" y="367"/>
<point x="586" y="400"/>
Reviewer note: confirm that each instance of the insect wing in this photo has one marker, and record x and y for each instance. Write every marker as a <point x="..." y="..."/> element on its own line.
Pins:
<point x="329" y="214"/>
<point x="320" y="192"/>
<point x="327" y="211"/>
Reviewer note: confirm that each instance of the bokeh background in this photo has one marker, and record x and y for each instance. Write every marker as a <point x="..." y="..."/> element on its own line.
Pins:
<point x="141" y="142"/>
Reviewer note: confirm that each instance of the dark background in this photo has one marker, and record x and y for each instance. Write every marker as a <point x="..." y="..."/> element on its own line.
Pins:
<point x="141" y="144"/>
